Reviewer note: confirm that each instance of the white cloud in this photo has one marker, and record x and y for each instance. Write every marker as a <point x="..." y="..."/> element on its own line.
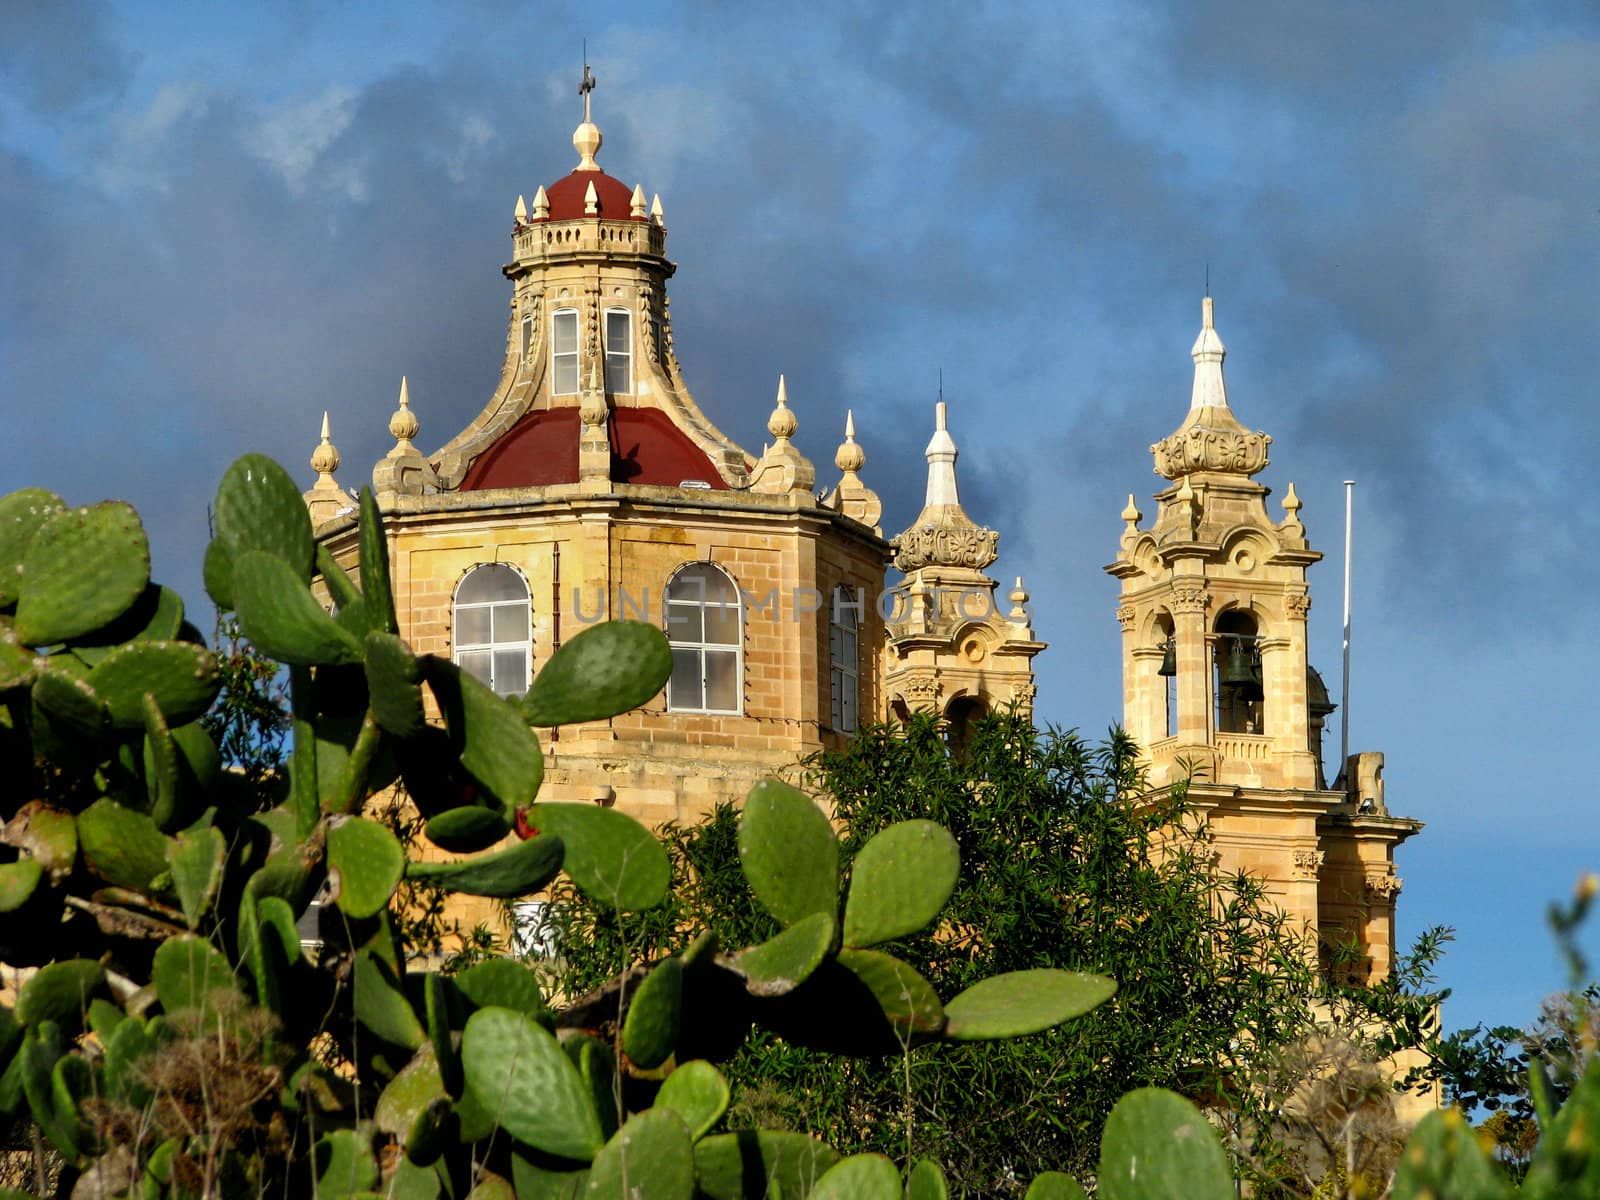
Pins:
<point x="293" y="139"/>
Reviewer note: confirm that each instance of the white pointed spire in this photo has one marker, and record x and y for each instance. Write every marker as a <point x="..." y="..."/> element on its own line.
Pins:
<point x="325" y="458"/>
<point x="591" y="201"/>
<point x="1208" y="353"/>
<point x="636" y="207"/>
<point x="403" y="425"/>
<point x="541" y="205"/>
<point x="782" y="423"/>
<point x="521" y="212"/>
<point x="941" y="455"/>
<point x="850" y="457"/>
<point x="655" y="209"/>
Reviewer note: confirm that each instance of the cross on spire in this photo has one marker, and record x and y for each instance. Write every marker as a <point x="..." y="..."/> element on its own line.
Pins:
<point x="586" y="86"/>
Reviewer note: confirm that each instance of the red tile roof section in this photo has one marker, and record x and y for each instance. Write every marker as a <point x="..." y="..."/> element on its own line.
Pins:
<point x="542" y="449"/>
<point x="566" y="197"/>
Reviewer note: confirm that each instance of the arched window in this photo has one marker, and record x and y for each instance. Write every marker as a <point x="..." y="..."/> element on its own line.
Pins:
<point x="844" y="660"/>
<point x="527" y="335"/>
<point x="1167" y="672"/>
<point x="619" y="350"/>
<point x="492" y="634"/>
<point x="564" y="351"/>
<point x="1236" y="674"/>
<point x="704" y="619"/>
<point x="961" y="720"/>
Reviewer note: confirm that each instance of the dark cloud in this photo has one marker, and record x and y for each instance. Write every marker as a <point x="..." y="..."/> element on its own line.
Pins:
<point x="57" y="54"/>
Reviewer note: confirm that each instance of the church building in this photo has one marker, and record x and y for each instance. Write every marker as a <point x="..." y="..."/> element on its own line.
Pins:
<point x="591" y="486"/>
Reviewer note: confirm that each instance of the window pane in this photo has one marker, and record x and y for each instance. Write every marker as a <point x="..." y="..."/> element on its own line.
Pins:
<point x="722" y="626"/>
<point x="683" y="623"/>
<point x="472" y="626"/>
<point x="617" y="332"/>
<point x="492" y="581"/>
<point x="722" y="681"/>
<point x="566" y="381"/>
<point x="847" y="650"/>
<point x="527" y="335"/>
<point x="511" y="622"/>
<point x="683" y="689"/>
<point x="564" y="333"/>
<point x="689" y="584"/>
<point x="511" y="672"/>
<point x="718" y="586"/>
<point x="847" y="723"/>
<point x="617" y="373"/>
<point x="475" y="663"/>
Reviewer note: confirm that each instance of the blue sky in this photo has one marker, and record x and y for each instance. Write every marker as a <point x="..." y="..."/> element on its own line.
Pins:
<point x="221" y="220"/>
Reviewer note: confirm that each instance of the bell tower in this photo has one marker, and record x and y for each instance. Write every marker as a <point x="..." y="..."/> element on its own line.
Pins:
<point x="1216" y="683"/>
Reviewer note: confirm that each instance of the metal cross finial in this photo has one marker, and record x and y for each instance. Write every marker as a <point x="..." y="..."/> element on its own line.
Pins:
<point x="587" y="85"/>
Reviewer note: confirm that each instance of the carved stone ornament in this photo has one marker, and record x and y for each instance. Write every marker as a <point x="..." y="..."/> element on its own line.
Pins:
<point x="1188" y="598"/>
<point x="1298" y="605"/>
<point x="1125" y="617"/>
<point x="1383" y="887"/>
<point x="1308" y="862"/>
<point x="1200" y="449"/>
<point x="944" y="546"/>
<point x="922" y="691"/>
<point x="650" y="327"/>
<point x="1024" y="693"/>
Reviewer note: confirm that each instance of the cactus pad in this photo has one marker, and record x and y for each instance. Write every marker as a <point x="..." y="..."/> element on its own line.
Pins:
<point x="375" y="588"/>
<point x="195" y="858"/>
<point x="610" y="856"/>
<point x="217" y="574"/>
<point x="515" y="1066"/>
<point x="370" y="863"/>
<point x="782" y="963"/>
<point x="1052" y="1185"/>
<point x="188" y="971"/>
<point x="503" y="983"/>
<point x="698" y="1093"/>
<point x="48" y="834"/>
<point x="393" y="676"/>
<point x="908" y="1001"/>
<point x="83" y="568"/>
<point x="66" y="698"/>
<point x="497" y="746"/>
<point x="899" y="881"/>
<point x="382" y="1006"/>
<point x="860" y="1177"/>
<point x="1023" y="1002"/>
<point x="515" y="871"/>
<point x="605" y="670"/>
<point x="343" y="1159"/>
<point x="650" y="1158"/>
<point x="17" y="882"/>
<point x="650" y="1030"/>
<point x="789" y="853"/>
<point x="259" y="507"/>
<point x="733" y="1166"/>
<point x="282" y="618"/>
<point x="182" y="677"/>
<point x="122" y="846"/>
<point x="406" y="1095"/>
<point x="926" y="1181"/>
<point x="21" y="514"/>
<point x="60" y="992"/>
<point x="1158" y="1144"/>
<point x="467" y="829"/>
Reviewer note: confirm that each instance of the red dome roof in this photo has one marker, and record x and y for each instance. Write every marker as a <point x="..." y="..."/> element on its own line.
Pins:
<point x="542" y="448"/>
<point x="566" y="197"/>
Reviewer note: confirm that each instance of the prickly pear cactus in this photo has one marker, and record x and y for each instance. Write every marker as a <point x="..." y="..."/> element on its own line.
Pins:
<point x="171" y="1036"/>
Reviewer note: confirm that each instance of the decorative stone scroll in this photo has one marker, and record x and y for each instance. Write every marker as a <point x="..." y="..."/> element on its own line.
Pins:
<point x="945" y="546"/>
<point x="1200" y="449"/>
<point x="1125" y="617"/>
<point x="1383" y="888"/>
<point x="1298" y="605"/>
<point x="1308" y="863"/>
<point x="1189" y="598"/>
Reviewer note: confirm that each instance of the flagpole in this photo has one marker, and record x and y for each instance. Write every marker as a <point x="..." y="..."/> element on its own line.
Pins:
<point x="1344" y="693"/>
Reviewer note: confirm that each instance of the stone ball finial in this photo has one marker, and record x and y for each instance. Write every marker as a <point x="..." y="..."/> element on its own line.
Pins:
<point x="403" y="426"/>
<point x="782" y="423"/>
<point x="1018" y="594"/>
<point x="325" y="458"/>
<point x="1131" y="513"/>
<point x="850" y="457"/>
<point x="586" y="140"/>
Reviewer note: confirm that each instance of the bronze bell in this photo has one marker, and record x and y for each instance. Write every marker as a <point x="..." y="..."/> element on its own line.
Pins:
<point x="1242" y="673"/>
<point x="1169" y="659"/>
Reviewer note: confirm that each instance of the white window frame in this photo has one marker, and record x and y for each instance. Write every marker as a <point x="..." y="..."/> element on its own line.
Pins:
<point x="560" y="358"/>
<point x="458" y="648"/>
<point x="703" y="647"/>
<point x="844" y="668"/>
<point x="527" y="336"/>
<point x="623" y="357"/>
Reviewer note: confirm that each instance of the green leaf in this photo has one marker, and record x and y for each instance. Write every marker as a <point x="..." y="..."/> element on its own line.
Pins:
<point x="909" y="1002"/>
<point x="196" y="858"/>
<point x="1053" y="1185"/>
<point x="83" y="568"/>
<point x="343" y="1159"/>
<point x="698" y="1093"/>
<point x="899" y="881"/>
<point x="60" y="993"/>
<point x="17" y="882"/>
<point x="1567" y="1161"/>
<point x="393" y="678"/>
<point x="610" y="856"/>
<point x="21" y="514"/>
<point x="1023" y="1002"/>
<point x="650" y="1029"/>
<point x="497" y="746"/>
<point x="182" y="677"/>
<point x="859" y="1177"/>
<point x="650" y="1158"/>
<point x="753" y="1165"/>
<point x="188" y="972"/>
<point x="1157" y="1146"/>
<point x="467" y="829"/>
<point x="789" y="853"/>
<point x="411" y="1091"/>
<point x="503" y="983"/>
<point x="217" y="574"/>
<point x="260" y="508"/>
<point x="381" y="1004"/>
<point x="437" y="994"/>
<point x="341" y="588"/>
<point x="370" y="862"/>
<point x="515" y="871"/>
<point x="521" y="1074"/>
<point x="121" y="846"/>
<point x="605" y="670"/>
<point x="282" y="618"/>
<point x="375" y="589"/>
<point x="782" y="963"/>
